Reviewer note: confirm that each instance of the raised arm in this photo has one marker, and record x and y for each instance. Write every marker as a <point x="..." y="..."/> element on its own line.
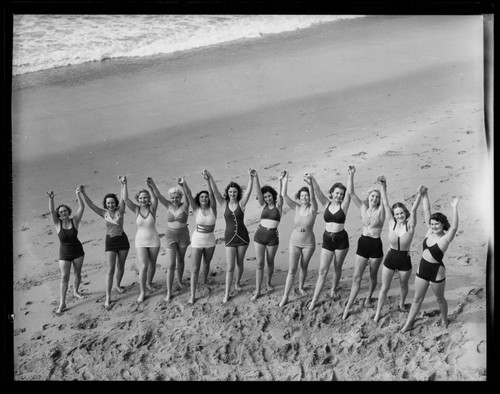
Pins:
<point x="53" y="213"/>
<point x="248" y="190"/>
<point x="347" y="197"/>
<point x="219" y="197"/>
<point x="81" y="206"/>
<point x="314" y="202"/>
<point x="89" y="202"/>
<point x="279" y="202"/>
<point x="154" y="198"/>
<point x="211" y="194"/>
<point x="383" y="192"/>
<point x="413" y="213"/>
<point x="426" y="205"/>
<point x="260" y="197"/>
<point x="187" y="191"/>
<point x="292" y="204"/>
<point x="319" y="193"/>
<point x="350" y="190"/>
<point x="124" y="189"/>
<point x="452" y="231"/>
<point x="155" y="193"/>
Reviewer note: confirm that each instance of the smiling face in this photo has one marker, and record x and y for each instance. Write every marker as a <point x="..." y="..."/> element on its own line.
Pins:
<point x="374" y="199"/>
<point x="338" y="195"/>
<point x="304" y="197"/>
<point x="204" y="199"/>
<point x="232" y="192"/>
<point x="63" y="213"/>
<point x="399" y="214"/>
<point x="268" y="198"/>
<point x="143" y="198"/>
<point x="175" y="198"/>
<point x="436" y="226"/>
<point x="110" y="203"/>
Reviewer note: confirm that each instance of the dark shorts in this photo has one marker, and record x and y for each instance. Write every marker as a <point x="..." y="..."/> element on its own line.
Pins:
<point x="266" y="236"/>
<point x="369" y="247"/>
<point x="429" y="271"/>
<point x="333" y="241"/>
<point x="115" y="244"/>
<point x="398" y="260"/>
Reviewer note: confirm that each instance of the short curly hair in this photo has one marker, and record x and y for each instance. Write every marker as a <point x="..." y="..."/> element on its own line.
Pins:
<point x="302" y="189"/>
<point x="270" y="189"/>
<point x="197" y="197"/>
<point x="110" y="195"/>
<point x="63" y="206"/>
<point x="402" y="206"/>
<point x="439" y="217"/>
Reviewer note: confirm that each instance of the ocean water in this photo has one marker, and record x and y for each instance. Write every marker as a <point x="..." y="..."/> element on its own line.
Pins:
<point x="42" y="42"/>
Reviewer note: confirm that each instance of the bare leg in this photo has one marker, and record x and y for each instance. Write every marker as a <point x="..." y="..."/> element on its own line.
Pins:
<point x="304" y="264"/>
<point x="180" y="266"/>
<point x="324" y="266"/>
<point x="404" y="278"/>
<point x="374" y="267"/>
<point x="338" y="262"/>
<point x="230" y="263"/>
<point x="77" y="271"/>
<point x="171" y="265"/>
<point x="240" y="258"/>
<point x="208" y="254"/>
<point x="438" y="290"/>
<point x="421" y="286"/>
<point x="359" y="268"/>
<point x="143" y="258"/>
<point x="293" y="262"/>
<point x="260" y="251"/>
<point x="152" y="256"/>
<point x="65" y="268"/>
<point x="195" y="272"/>
<point x="120" y="269"/>
<point x="271" y="253"/>
<point x="111" y="258"/>
<point x="387" y="275"/>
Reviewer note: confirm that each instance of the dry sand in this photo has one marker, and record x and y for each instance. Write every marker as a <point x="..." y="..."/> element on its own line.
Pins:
<point x="399" y="96"/>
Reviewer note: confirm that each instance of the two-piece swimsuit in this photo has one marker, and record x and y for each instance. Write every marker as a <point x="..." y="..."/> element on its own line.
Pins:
<point x="177" y="234"/>
<point x="116" y="239"/>
<point x="427" y="270"/>
<point x="369" y="247"/>
<point x="340" y="239"/>
<point x="203" y="236"/>
<point x="264" y="235"/>
<point x="70" y="248"/>
<point x="397" y="259"/>
<point x="236" y="234"/>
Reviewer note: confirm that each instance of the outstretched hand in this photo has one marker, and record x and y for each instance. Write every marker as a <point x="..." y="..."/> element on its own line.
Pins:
<point x="252" y="172"/>
<point x="180" y="180"/>
<point x="50" y="194"/>
<point x="422" y="190"/>
<point x="122" y="179"/>
<point x="351" y="170"/>
<point x="454" y="201"/>
<point x="381" y="179"/>
<point x="283" y="174"/>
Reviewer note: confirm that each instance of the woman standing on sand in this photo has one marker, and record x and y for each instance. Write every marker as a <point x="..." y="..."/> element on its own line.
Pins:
<point x="431" y="270"/>
<point x="147" y="240"/>
<point x="203" y="236"/>
<point x="401" y="230"/>
<point x="335" y="239"/>
<point x="302" y="241"/>
<point x="369" y="249"/>
<point x="177" y="234"/>
<point x="266" y="239"/>
<point x="117" y="244"/>
<point x="70" y="250"/>
<point x="236" y="234"/>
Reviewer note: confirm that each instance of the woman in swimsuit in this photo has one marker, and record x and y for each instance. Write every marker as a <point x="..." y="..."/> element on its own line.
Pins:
<point x="117" y="244"/>
<point x="236" y="234"/>
<point x="266" y="239"/>
<point x="177" y="233"/>
<point x="431" y="270"/>
<point x="369" y="251"/>
<point x="335" y="239"/>
<point x="302" y="241"/>
<point x="203" y="236"/>
<point x="147" y="240"/>
<point x="70" y="250"/>
<point x="401" y="230"/>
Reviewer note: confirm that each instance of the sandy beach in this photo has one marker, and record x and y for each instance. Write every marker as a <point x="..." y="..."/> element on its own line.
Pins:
<point x="400" y="96"/>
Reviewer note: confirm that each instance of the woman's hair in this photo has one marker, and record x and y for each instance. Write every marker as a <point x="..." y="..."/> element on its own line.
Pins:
<point x="439" y="217"/>
<point x="302" y="189"/>
<point x="402" y="206"/>
<point x="370" y="192"/>
<point x="65" y="206"/>
<point x="197" y="197"/>
<point x="338" y="185"/>
<point x="237" y="187"/>
<point x="110" y="195"/>
<point x="142" y="191"/>
<point x="175" y="190"/>
<point x="269" y="189"/>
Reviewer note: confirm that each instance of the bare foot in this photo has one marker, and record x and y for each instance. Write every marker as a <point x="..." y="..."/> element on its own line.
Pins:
<point x="141" y="298"/>
<point x="269" y="287"/>
<point x="61" y="309"/>
<point x="406" y="327"/>
<point x="255" y="296"/>
<point x="335" y="295"/>
<point x="120" y="289"/>
<point x="368" y="302"/>
<point x="238" y="287"/>
<point x="181" y="285"/>
<point x="78" y="295"/>
<point x="346" y="314"/>
<point x="225" y="300"/>
<point x="107" y="303"/>
<point x="191" y="300"/>
<point x="302" y="291"/>
<point x="168" y="297"/>
<point x="150" y="288"/>
<point x="283" y="302"/>
<point x="312" y="305"/>
<point x="376" y="318"/>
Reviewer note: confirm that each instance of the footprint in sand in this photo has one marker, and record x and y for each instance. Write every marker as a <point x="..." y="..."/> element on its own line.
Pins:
<point x="425" y="166"/>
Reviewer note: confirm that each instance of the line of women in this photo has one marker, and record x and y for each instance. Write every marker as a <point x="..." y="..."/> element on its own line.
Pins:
<point x="374" y="210"/>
